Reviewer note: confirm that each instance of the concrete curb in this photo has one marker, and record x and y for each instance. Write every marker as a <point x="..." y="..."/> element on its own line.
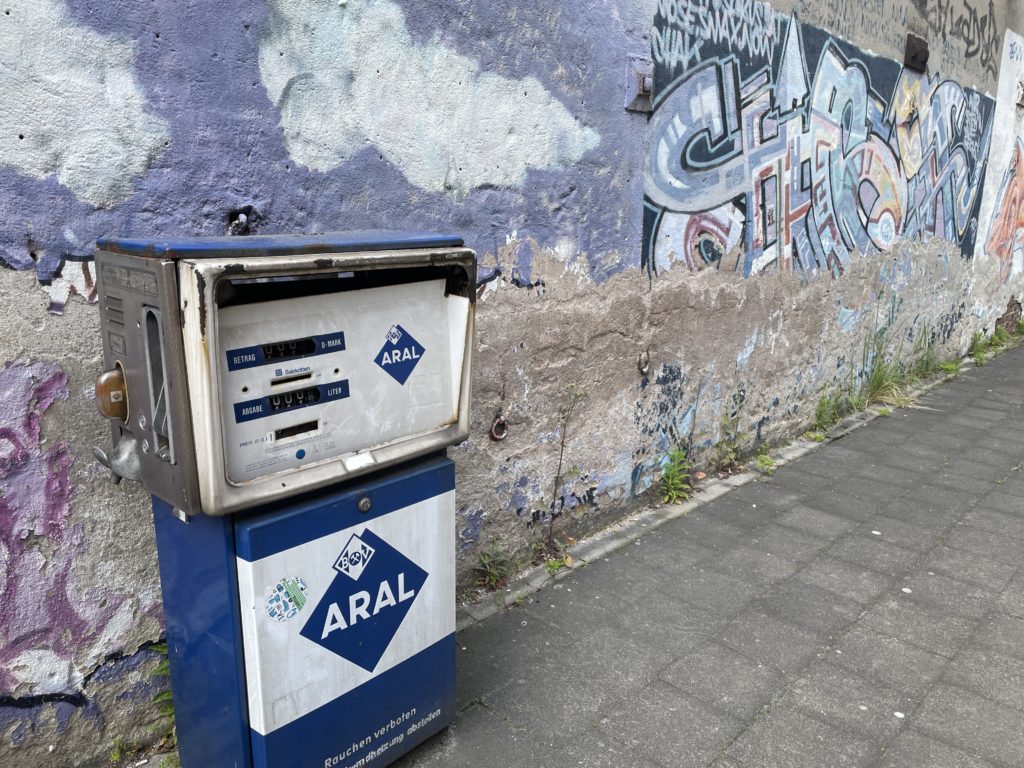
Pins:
<point x="629" y="529"/>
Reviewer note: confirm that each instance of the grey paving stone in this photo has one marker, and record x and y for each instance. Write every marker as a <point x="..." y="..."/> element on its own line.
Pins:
<point x="663" y="723"/>
<point x="944" y="499"/>
<point x="716" y="593"/>
<point x="906" y="535"/>
<point x="752" y="565"/>
<point x="973" y="724"/>
<point x="703" y="529"/>
<point x="850" y="701"/>
<point x="771" y="641"/>
<point x="970" y="567"/>
<point x="639" y="569"/>
<point x="572" y="605"/>
<point x="788" y="543"/>
<point x="1004" y="634"/>
<point x="894" y="476"/>
<point x="919" y="625"/>
<point x="1011" y="599"/>
<point x="555" y="701"/>
<point x="873" y="655"/>
<point x="475" y="737"/>
<point x="912" y="750"/>
<point x="490" y="654"/>
<point x="920" y="513"/>
<point x="771" y="497"/>
<point x="850" y="581"/>
<point x="823" y="469"/>
<point x="788" y="737"/>
<point x="915" y="462"/>
<point x="1001" y="501"/>
<point x="989" y="674"/>
<point x="664" y="622"/>
<point x="663" y="552"/>
<point x="981" y="471"/>
<point x="949" y="595"/>
<point x="920" y="446"/>
<point x="791" y="479"/>
<point x="816" y="522"/>
<point x="947" y="478"/>
<point x="985" y="543"/>
<point x="728" y="681"/>
<point x="741" y="513"/>
<point x="874" y="553"/>
<point x="1006" y="460"/>
<point x="592" y="750"/>
<point x="998" y="522"/>
<point x="997" y="439"/>
<point x="613" y="658"/>
<point x="809" y="606"/>
<point x="837" y="501"/>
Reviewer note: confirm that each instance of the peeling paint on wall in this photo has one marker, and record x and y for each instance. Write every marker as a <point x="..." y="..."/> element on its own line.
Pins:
<point x="47" y="620"/>
<point x="71" y="104"/>
<point x="347" y="74"/>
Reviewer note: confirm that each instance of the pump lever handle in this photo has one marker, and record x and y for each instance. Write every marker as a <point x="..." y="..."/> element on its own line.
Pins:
<point x="124" y="462"/>
<point x="101" y="457"/>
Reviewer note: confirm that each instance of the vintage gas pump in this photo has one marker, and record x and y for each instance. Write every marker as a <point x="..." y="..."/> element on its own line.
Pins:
<point x="287" y="401"/>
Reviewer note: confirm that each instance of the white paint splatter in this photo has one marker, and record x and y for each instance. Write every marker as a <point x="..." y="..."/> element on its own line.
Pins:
<point x="41" y="671"/>
<point x="71" y="105"/>
<point x="345" y="77"/>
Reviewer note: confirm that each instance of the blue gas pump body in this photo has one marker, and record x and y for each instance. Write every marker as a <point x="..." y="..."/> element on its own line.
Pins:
<point x="376" y="715"/>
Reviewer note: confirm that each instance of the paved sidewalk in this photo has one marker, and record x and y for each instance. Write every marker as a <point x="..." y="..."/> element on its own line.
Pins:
<point x="863" y="607"/>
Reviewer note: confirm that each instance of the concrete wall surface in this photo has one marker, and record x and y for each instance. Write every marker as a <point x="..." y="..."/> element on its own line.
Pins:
<point x="796" y="204"/>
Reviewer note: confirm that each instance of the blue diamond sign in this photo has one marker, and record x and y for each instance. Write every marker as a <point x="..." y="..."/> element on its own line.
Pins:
<point x="400" y="354"/>
<point x="363" y="608"/>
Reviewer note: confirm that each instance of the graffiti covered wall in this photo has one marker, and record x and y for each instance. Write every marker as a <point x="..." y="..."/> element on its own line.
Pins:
<point x="804" y="155"/>
<point x="691" y="279"/>
<point x="1001" y="218"/>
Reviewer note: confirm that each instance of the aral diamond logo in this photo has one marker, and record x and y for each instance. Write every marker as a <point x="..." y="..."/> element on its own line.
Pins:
<point x="400" y="354"/>
<point x="366" y="603"/>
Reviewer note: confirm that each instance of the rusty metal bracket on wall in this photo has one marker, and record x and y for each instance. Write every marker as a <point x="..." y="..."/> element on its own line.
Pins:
<point x="639" y="85"/>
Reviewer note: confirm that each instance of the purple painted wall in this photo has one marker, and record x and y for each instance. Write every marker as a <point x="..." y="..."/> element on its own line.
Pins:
<point x="223" y="150"/>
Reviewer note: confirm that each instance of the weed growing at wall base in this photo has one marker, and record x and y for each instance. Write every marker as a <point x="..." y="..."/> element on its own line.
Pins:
<point x="165" y="703"/>
<point x="884" y="381"/>
<point x="675" y="477"/>
<point x="978" y="350"/>
<point x="765" y="463"/>
<point x="493" y="567"/>
<point x="982" y="346"/>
